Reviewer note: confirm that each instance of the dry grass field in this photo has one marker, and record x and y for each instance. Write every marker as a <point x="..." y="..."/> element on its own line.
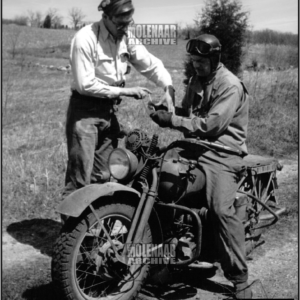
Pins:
<point x="35" y="99"/>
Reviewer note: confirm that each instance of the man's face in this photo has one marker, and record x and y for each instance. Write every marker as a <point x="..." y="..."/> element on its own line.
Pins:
<point x="201" y="65"/>
<point x="118" y="26"/>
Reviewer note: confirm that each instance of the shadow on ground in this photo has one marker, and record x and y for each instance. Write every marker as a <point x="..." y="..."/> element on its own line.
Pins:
<point x="39" y="233"/>
<point x="186" y="285"/>
<point x="42" y="233"/>
<point x="42" y="292"/>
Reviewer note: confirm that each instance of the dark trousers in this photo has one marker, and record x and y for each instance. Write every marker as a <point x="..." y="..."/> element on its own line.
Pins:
<point x="222" y="175"/>
<point x="92" y="131"/>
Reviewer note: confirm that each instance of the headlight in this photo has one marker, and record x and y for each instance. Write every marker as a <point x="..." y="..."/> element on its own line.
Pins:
<point x="122" y="163"/>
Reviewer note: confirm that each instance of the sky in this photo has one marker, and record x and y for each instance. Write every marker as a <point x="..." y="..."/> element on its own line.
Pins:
<point x="279" y="15"/>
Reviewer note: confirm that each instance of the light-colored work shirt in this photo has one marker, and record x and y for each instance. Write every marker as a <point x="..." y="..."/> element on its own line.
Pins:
<point x="98" y="62"/>
<point x="216" y="111"/>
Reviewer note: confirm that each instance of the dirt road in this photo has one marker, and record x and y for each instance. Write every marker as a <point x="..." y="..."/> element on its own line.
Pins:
<point x="27" y="249"/>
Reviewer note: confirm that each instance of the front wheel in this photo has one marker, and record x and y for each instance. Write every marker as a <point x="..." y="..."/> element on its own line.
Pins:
<point x="84" y="266"/>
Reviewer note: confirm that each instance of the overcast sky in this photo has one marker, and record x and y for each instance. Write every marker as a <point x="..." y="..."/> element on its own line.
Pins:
<point x="279" y="15"/>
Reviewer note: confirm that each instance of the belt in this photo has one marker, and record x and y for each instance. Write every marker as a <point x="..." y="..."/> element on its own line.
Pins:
<point x="83" y="101"/>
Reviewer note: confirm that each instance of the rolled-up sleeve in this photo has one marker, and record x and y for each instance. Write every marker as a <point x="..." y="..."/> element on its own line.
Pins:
<point x="149" y="65"/>
<point x="83" y="69"/>
<point x="218" y="118"/>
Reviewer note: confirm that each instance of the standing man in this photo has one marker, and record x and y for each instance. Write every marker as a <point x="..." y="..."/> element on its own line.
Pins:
<point x="215" y="108"/>
<point x="99" y="58"/>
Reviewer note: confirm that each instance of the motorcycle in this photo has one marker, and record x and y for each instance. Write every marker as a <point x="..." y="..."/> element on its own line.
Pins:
<point x="150" y="216"/>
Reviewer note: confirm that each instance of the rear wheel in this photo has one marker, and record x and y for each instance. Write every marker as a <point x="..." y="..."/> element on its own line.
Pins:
<point x="84" y="265"/>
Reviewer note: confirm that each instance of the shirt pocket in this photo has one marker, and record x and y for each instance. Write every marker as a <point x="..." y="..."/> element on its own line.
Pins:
<point x="105" y="64"/>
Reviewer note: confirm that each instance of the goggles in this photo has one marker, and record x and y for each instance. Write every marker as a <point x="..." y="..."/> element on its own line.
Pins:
<point x="200" y="47"/>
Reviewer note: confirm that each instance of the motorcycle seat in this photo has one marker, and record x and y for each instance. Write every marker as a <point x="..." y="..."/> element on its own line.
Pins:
<point x="261" y="164"/>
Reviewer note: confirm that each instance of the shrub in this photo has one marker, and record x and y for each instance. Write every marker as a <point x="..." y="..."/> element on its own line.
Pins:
<point x="47" y="22"/>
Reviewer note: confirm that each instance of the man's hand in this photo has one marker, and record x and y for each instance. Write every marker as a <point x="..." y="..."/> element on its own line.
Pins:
<point x="168" y="98"/>
<point x="162" y="118"/>
<point x="135" y="92"/>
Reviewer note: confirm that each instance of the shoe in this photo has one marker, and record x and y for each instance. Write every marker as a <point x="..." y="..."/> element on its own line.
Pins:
<point x="243" y="291"/>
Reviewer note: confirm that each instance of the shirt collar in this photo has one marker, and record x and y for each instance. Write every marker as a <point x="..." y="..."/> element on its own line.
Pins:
<point x="103" y="31"/>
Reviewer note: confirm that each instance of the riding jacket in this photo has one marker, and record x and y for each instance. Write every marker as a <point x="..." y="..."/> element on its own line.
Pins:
<point x="215" y="111"/>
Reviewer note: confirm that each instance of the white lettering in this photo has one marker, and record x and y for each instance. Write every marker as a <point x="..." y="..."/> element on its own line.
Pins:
<point x="154" y="31"/>
<point x="160" y="31"/>
<point x="173" y="31"/>
<point x="139" y="31"/>
<point x="167" y="31"/>
<point x="148" y="31"/>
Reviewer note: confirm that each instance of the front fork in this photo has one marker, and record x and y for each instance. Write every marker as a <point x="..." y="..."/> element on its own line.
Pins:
<point x="142" y="213"/>
<point x="139" y="221"/>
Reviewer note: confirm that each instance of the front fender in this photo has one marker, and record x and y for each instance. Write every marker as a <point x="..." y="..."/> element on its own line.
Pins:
<point x="74" y="204"/>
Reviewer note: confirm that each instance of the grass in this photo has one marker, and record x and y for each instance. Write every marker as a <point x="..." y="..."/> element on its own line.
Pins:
<point x="35" y="101"/>
<point x="273" y="115"/>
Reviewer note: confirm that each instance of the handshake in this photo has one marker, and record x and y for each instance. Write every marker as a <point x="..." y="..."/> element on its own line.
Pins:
<point x="160" y="115"/>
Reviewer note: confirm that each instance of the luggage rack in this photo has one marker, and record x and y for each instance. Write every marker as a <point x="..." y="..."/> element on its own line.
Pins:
<point x="259" y="182"/>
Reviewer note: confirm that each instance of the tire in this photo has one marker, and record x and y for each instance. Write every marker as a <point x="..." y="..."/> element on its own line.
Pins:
<point x="80" y="247"/>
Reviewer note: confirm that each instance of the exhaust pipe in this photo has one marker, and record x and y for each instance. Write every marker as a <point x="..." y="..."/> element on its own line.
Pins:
<point x="270" y="216"/>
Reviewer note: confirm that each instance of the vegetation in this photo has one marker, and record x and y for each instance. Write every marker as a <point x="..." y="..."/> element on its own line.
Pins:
<point x="47" y="22"/>
<point x="52" y="19"/>
<point x="76" y="15"/>
<point x="268" y="36"/>
<point x="18" y="20"/>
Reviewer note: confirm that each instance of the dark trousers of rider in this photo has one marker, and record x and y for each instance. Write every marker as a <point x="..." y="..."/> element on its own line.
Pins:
<point x="222" y="175"/>
<point x="92" y="131"/>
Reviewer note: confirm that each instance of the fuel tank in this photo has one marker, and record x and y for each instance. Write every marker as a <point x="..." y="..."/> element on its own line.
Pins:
<point x="179" y="177"/>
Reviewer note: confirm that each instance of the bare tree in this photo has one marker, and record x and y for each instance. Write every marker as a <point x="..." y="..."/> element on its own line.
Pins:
<point x="76" y="16"/>
<point x="39" y="18"/>
<point x="8" y="85"/>
<point x="35" y="18"/>
<point x="31" y="18"/>
<point x="14" y="39"/>
<point x="56" y="19"/>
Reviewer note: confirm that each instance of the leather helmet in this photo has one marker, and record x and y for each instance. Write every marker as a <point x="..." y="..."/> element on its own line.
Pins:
<point x="206" y="45"/>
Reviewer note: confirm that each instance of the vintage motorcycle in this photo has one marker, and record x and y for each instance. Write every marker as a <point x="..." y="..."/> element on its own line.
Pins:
<point x="150" y="216"/>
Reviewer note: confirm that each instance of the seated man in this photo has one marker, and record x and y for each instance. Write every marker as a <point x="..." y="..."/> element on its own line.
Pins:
<point x="215" y="109"/>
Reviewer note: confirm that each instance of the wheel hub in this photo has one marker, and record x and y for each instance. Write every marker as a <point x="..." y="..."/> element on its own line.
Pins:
<point x="107" y="265"/>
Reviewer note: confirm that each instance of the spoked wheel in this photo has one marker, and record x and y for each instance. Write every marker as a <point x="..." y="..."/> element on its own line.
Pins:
<point x="84" y="265"/>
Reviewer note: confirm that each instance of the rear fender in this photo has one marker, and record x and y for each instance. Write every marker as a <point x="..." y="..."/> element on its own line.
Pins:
<point x="74" y="204"/>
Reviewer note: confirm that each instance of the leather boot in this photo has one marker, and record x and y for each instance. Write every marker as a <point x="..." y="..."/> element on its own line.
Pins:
<point x="243" y="291"/>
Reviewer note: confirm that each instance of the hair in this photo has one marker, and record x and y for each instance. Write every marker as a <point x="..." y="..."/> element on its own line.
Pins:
<point x="116" y="8"/>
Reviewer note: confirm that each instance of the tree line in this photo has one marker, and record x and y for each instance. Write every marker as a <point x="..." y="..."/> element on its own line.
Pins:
<point x="51" y="19"/>
<point x="265" y="36"/>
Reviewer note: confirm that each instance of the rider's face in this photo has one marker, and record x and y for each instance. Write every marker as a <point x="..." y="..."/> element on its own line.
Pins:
<point x="201" y="65"/>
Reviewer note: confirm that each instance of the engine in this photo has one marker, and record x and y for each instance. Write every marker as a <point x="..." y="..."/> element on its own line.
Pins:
<point x="137" y="139"/>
